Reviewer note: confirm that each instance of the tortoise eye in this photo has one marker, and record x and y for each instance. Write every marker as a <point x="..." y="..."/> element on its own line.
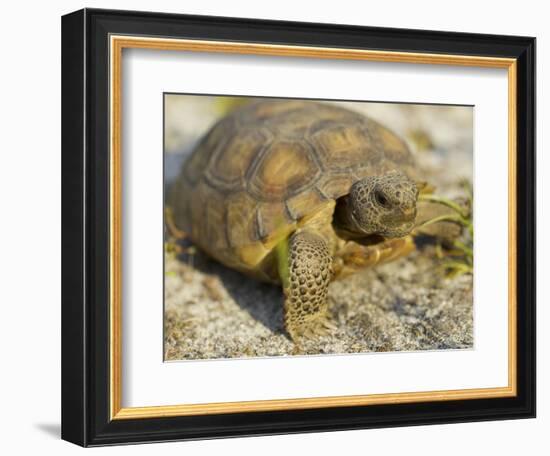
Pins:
<point x="381" y="198"/>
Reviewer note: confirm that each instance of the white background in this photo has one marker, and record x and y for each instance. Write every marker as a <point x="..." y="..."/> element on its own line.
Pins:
<point x="149" y="381"/>
<point x="30" y="227"/>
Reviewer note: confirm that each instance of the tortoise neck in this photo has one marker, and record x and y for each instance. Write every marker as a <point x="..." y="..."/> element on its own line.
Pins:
<point x="345" y="228"/>
<point x="342" y="222"/>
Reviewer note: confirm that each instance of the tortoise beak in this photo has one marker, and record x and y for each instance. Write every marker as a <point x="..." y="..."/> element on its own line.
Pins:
<point x="409" y="213"/>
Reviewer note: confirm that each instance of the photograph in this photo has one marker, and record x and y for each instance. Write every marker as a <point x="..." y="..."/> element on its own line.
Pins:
<point x="315" y="227"/>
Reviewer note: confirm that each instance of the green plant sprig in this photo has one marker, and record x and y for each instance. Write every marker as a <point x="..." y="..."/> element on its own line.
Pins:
<point x="463" y="260"/>
<point x="445" y="202"/>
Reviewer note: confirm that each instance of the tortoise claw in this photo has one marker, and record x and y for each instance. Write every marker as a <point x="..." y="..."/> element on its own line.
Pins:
<point x="312" y="329"/>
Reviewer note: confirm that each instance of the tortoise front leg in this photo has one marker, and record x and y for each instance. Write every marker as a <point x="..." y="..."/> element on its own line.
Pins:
<point x="305" y="275"/>
<point x="353" y="257"/>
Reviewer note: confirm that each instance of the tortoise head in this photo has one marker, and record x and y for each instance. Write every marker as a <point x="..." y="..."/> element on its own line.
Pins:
<point x="383" y="205"/>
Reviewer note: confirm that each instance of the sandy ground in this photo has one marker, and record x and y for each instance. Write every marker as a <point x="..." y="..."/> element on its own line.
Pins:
<point x="214" y="312"/>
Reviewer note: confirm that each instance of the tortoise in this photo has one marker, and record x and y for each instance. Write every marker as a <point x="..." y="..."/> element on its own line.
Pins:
<point x="298" y="193"/>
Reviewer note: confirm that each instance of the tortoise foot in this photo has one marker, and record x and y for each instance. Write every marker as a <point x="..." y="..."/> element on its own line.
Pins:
<point x="311" y="328"/>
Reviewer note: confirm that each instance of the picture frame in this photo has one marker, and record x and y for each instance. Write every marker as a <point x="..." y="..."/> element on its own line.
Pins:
<point x="93" y="42"/>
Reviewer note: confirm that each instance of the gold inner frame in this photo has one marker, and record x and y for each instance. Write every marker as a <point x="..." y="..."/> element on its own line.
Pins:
<point x="117" y="44"/>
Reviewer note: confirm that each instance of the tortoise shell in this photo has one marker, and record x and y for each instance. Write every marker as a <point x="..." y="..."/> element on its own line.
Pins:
<point x="265" y="169"/>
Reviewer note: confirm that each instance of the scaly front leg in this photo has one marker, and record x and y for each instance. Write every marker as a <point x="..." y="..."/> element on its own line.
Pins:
<point x="305" y="283"/>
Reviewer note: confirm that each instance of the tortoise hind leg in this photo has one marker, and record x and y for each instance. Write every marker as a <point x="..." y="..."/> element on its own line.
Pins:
<point x="171" y="225"/>
<point x="305" y="283"/>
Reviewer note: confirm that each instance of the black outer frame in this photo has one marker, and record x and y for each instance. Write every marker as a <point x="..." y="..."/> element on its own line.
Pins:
<point x="85" y="227"/>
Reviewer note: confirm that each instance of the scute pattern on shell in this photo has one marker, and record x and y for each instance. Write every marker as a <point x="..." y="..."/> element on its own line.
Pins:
<point x="268" y="164"/>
